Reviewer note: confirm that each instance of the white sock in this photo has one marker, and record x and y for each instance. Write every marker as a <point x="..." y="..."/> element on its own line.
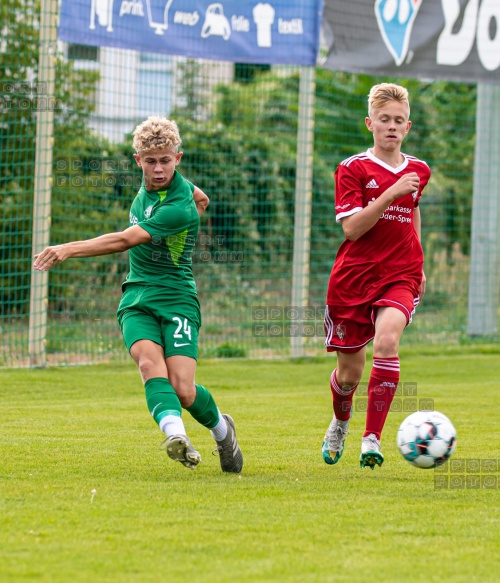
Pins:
<point x="219" y="432"/>
<point x="172" y="425"/>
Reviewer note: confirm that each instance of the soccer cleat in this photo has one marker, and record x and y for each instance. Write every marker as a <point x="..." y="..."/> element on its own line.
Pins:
<point x="231" y="458"/>
<point x="333" y="442"/>
<point x="371" y="455"/>
<point x="179" y="449"/>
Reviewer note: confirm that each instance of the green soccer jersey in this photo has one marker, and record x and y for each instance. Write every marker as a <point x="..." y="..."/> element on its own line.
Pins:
<point x="171" y="218"/>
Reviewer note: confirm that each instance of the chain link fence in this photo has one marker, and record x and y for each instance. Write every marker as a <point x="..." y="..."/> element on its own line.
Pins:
<point x="261" y="141"/>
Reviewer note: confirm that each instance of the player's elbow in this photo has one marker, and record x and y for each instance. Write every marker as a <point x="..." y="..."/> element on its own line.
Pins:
<point x="123" y="243"/>
<point x="126" y="244"/>
<point x="350" y="234"/>
<point x="348" y="226"/>
<point x="203" y="202"/>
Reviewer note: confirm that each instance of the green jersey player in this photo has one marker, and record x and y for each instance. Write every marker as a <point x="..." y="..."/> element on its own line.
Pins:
<point x="159" y="313"/>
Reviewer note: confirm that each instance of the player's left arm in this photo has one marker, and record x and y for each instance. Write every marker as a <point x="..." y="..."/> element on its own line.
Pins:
<point x="201" y="200"/>
<point x="417" y="223"/>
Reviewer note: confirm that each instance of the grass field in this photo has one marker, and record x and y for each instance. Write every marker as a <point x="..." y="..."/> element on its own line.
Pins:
<point x="87" y="496"/>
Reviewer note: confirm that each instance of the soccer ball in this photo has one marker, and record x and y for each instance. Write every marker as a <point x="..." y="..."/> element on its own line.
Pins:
<point x="426" y="439"/>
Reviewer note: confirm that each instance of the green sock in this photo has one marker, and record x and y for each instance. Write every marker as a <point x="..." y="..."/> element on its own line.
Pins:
<point x="161" y="398"/>
<point x="204" y="409"/>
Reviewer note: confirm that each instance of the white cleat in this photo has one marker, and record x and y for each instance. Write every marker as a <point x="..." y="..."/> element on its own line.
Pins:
<point x="371" y="455"/>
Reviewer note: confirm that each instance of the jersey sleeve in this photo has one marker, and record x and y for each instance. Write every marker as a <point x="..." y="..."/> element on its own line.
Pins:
<point x="348" y="193"/>
<point x="424" y="174"/>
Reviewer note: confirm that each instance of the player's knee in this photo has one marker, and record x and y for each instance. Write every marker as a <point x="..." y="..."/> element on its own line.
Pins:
<point x="149" y="368"/>
<point x="185" y="389"/>
<point x="386" y="345"/>
<point x="185" y="399"/>
<point x="349" y="378"/>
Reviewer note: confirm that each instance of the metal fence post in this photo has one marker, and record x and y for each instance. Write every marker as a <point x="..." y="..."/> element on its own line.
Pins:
<point x="43" y="182"/>
<point x="303" y="203"/>
<point x="485" y="225"/>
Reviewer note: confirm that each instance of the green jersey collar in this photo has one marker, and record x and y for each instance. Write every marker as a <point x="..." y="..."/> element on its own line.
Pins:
<point x="163" y="192"/>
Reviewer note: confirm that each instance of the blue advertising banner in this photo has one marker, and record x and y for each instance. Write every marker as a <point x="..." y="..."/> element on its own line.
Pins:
<point x="273" y="32"/>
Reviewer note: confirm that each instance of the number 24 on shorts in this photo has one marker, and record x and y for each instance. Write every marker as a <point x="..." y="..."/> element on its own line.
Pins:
<point x="183" y="329"/>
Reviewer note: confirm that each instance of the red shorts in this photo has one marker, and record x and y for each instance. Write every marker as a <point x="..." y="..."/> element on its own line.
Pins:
<point x="349" y="328"/>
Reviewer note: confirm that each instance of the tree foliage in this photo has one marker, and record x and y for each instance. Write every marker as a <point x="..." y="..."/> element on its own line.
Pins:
<point x="22" y="98"/>
<point x="246" y="156"/>
<point x="241" y="148"/>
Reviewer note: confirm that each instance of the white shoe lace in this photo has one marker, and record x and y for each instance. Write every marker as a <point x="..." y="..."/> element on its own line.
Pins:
<point x="371" y="443"/>
<point x="336" y="438"/>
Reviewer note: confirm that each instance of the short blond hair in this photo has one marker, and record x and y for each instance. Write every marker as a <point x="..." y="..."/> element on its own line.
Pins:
<point x="384" y="93"/>
<point x="156" y="133"/>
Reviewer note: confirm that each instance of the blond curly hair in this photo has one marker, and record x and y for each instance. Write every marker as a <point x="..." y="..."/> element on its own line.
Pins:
<point x="384" y="93"/>
<point x="156" y="133"/>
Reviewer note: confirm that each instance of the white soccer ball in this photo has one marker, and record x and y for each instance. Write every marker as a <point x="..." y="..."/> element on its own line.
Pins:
<point x="426" y="439"/>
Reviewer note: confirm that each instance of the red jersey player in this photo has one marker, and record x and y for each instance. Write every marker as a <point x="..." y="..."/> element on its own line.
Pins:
<point x="377" y="279"/>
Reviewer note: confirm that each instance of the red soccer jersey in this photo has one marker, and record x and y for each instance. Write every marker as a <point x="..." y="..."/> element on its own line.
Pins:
<point x="390" y="252"/>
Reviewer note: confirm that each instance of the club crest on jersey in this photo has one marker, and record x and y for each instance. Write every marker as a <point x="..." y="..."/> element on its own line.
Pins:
<point x="148" y="211"/>
<point x="395" y="20"/>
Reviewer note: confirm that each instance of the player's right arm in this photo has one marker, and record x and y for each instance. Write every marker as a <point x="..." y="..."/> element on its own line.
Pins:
<point x="103" y="245"/>
<point x="359" y="223"/>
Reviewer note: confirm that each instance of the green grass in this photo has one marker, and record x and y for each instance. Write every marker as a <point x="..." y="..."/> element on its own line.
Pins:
<point x="289" y="517"/>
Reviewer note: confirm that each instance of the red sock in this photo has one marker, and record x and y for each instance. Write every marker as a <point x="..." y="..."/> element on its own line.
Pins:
<point x="382" y="387"/>
<point x="342" y="398"/>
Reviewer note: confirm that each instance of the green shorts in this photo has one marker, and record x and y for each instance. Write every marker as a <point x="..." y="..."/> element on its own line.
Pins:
<point x="160" y="315"/>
